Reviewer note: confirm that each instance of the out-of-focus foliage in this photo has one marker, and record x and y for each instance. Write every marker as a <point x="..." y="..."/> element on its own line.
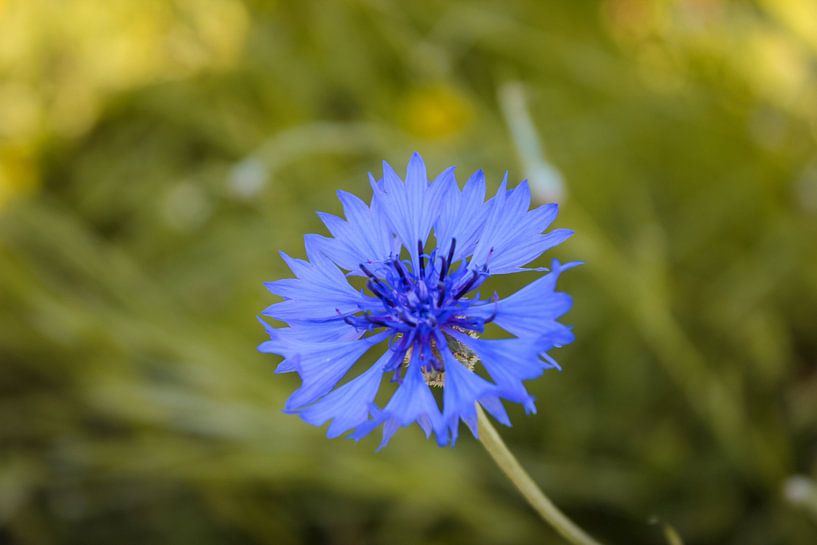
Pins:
<point x="154" y="155"/>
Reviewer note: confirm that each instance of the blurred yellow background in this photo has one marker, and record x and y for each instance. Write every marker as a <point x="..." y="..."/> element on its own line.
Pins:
<point x="156" y="154"/>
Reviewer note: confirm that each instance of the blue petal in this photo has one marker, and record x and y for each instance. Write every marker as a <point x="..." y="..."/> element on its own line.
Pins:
<point x="288" y="341"/>
<point x="493" y="404"/>
<point x="412" y="402"/>
<point x="509" y="362"/>
<point x="524" y="249"/>
<point x="512" y="235"/>
<point x="462" y="390"/>
<point x="322" y="365"/>
<point x="413" y="207"/>
<point x="320" y="290"/>
<point x="363" y="238"/>
<point x="348" y="406"/>
<point x="462" y="217"/>
<point x="531" y="311"/>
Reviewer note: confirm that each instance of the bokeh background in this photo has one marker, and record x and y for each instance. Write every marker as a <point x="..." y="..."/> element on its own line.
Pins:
<point x="156" y="154"/>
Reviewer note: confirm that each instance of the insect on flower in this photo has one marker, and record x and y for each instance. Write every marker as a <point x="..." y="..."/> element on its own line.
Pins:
<point x="421" y="313"/>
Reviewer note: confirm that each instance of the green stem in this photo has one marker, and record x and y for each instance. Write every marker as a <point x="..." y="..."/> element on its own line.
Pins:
<point x="506" y="461"/>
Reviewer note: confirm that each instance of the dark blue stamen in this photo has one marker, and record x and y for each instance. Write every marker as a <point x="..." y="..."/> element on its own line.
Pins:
<point x="375" y="320"/>
<point x="422" y="259"/>
<point x="440" y="293"/>
<point x="443" y="268"/>
<point x="377" y="287"/>
<point x="400" y="270"/>
<point x="367" y="272"/>
<point x="450" y="257"/>
<point x="467" y="287"/>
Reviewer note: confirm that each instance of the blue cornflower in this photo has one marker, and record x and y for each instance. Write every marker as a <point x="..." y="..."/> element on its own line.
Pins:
<point x="421" y="313"/>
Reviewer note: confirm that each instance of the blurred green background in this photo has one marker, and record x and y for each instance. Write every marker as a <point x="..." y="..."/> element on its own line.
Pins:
<point x="155" y="155"/>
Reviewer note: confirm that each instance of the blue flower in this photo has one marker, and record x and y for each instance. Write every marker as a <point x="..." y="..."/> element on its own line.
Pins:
<point x="420" y="315"/>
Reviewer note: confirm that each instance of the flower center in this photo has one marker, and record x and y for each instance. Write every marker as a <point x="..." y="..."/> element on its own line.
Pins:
<point x="418" y="306"/>
<point x="426" y="299"/>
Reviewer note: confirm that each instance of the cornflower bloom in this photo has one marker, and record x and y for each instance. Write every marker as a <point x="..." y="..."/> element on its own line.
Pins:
<point x="421" y="313"/>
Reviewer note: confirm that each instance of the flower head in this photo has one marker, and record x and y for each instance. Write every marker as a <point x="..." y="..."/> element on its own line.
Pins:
<point x="421" y="314"/>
